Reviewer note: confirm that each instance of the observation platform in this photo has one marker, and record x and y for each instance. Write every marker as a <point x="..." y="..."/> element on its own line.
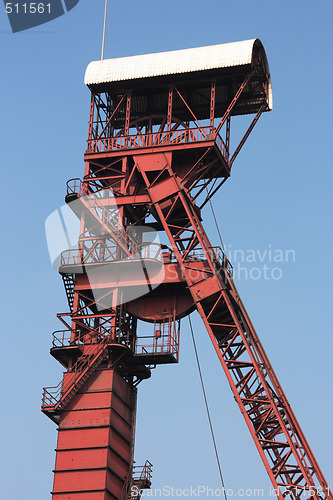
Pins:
<point x="65" y="348"/>
<point x="172" y="101"/>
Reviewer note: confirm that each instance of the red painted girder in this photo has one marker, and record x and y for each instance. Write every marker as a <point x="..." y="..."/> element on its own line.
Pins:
<point x="278" y="437"/>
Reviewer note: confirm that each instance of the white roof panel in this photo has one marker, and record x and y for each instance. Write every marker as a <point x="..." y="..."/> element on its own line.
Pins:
<point x="170" y="63"/>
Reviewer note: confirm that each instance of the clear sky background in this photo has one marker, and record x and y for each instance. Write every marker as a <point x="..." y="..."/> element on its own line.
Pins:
<point x="280" y="194"/>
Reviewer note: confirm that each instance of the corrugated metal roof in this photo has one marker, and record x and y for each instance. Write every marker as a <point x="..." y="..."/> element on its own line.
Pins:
<point x="169" y="63"/>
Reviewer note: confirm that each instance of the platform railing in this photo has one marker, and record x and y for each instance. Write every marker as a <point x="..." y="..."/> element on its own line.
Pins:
<point x="99" y="253"/>
<point x="102" y="334"/>
<point x="216" y="253"/>
<point x="150" y="251"/>
<point x="138" y="478"/>
<point x="165" y="344"/>
<point x="156" y="139"/>
<point x="142" y="473"/>
<point x="82" y="188"/>
<point x="76" y="186"/>
<point x="51" y="395"/>
<point x="64" y="338"/>
<point x="107" y="253"/>
<point x="165" y="338"/>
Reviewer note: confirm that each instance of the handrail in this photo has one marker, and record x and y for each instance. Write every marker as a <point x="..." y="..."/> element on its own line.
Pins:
<point x="154" y="139"/>
<point x="83" y="188"/>
<point x="63" y="338"/>
<point x="82" y="364"/>
<point x="52" y="396"/>
<point x="108" y="253"/>
<point x="143" y="472"/>
<point x="124" y="495"/>
<point x="165" y="339"/>
<point x="75" y="186"/>
<point x="92" y="201"/>
<point x="93" y="349"/>
<point x="216" y="253"/>
<point x="141" y="475"/>
<point x="168" y="345"/>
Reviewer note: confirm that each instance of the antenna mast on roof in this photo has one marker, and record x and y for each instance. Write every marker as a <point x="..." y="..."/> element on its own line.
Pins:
<point x="104" y="26"/>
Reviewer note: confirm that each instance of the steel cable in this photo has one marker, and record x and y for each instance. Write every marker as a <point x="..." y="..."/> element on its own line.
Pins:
<point x="208" y="412"/>
<point x="215" y="220"/>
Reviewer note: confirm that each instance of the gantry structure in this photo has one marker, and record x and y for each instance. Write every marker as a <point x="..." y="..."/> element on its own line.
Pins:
<point x="158" y="150"/>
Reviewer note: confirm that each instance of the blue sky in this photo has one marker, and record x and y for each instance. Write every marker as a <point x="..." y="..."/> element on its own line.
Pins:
<point x="279" y="197"/>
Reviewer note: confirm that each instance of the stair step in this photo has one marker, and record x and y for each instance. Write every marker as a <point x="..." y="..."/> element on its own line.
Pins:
<point x="82" y="377"/>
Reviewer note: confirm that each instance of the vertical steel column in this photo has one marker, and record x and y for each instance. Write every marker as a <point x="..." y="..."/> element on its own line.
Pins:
<point x="227" y="136"/>
<point x="91" y="120"/>
<point x="169" y="114"/>
<point x="128" y="112"/>
<point x="212" y="105"/>
<point x="233" y="102"/>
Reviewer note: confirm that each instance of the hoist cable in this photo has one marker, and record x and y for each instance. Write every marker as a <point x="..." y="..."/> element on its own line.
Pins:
<point x="215" y="220"/>
<point x="207" y="410"/>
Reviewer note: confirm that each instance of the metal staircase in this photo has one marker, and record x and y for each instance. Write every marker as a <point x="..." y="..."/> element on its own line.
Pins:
<point x="56" y="398"/>
<point x="97" y="214"/>
<point x="68" y="280"/>
<point x="137" y="480"/>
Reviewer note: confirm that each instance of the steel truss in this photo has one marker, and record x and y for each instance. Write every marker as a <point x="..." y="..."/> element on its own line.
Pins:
<point x="163" y="165"/>
<point x="278" y="437"/>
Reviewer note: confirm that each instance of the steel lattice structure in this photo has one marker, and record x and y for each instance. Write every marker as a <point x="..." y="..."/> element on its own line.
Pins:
<point x="147" y="147"/>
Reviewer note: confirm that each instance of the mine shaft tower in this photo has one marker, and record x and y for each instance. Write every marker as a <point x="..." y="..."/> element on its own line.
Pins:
<point x="158" y="149"/>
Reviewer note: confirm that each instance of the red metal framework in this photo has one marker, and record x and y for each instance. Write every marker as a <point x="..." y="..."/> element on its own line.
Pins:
<point x="147" y="147"/>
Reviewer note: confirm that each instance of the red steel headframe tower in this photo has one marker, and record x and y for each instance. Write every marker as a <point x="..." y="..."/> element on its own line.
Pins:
<point x="158" y="149"/>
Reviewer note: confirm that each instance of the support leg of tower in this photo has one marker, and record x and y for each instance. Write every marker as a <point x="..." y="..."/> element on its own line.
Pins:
<point x="95" y="440"/>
